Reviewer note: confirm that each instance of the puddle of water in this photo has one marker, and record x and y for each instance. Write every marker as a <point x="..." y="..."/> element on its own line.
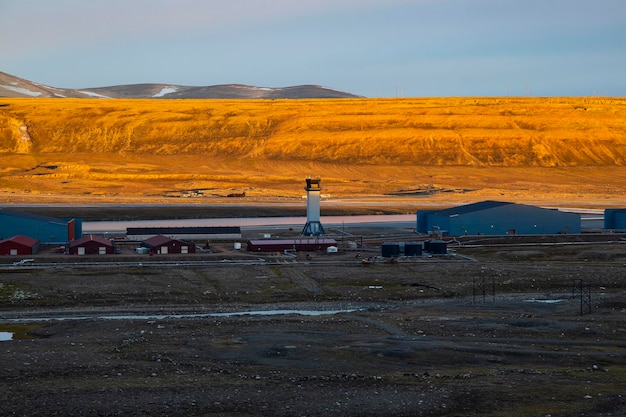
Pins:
<point x="187" y="316"/>
<point x="4" y="336"/>
<point x="534" y="300"/>
<point x="281" y="312"/>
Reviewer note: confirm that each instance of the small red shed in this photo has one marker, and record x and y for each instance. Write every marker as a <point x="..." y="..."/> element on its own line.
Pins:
<point x="19" y="245"/>
<point x="164" y="245"/>
<point x="91" y="245"/>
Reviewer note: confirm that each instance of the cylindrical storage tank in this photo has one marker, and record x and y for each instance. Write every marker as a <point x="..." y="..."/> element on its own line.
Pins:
<point x="437" y="247"/>
<point x="390" y="249"/>
<point x="237" y="245"/>
<point x="413" y="249"/>
<point x="352" y="245"/>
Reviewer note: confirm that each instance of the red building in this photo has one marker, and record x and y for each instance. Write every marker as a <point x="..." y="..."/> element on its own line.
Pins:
<point x="164" y="245"/>
<point x="19" y="245"/>
<point x="91" y="245"/>
<point x="298" y="245"/>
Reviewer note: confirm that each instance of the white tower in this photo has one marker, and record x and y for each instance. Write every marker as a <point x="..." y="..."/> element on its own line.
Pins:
<point x="313" y="226"/>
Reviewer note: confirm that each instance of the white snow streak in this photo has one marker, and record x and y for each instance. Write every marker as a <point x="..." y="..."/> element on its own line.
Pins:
<point x="22" y="90"/>
<point x="92" y="94"/>
<point x="165" y="90"/>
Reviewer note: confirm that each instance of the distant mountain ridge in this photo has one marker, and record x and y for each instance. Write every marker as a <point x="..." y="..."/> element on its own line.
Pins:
<point x="15" y="87"/>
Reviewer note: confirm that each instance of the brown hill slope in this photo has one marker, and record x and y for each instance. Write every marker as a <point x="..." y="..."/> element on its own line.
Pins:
<point x="15" y="87"/>
<point x="362" y="146"/>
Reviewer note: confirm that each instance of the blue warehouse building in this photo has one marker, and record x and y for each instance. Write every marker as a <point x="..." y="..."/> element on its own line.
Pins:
<point x="615" y="219"/>
<point x="47" y="230"/>
<point x="497" y="218"/>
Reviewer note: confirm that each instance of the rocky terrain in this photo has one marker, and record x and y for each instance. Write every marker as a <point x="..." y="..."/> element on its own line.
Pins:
<point x="488" y="330"/>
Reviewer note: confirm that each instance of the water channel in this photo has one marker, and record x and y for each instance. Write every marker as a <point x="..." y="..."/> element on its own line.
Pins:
<point x="8" y="336"/>
<point x="400" y="220"/>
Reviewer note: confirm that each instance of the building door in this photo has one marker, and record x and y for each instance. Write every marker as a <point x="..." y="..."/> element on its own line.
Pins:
<point x="163" y="250"/>
<point x="81" y="250"/>
<point x="184" y="249"/>
<point x="13" y="252"/>
<point x="102" y="250"/>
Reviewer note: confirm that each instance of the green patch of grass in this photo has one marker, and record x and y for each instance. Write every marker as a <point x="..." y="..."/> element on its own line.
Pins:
<point x="14" y="292"/>
<point x="277" y="271"/>
<point x="21" y="330"/>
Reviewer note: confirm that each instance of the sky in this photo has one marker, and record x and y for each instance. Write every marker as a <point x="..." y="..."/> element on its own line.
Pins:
<point x="373" y="48"/>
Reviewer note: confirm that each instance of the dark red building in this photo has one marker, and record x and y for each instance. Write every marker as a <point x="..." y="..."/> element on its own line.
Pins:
<point x="91" y="245"/>
<point x="164" y="245"/>
<point x="298" y="245"/>
<point x="19" y="245"/>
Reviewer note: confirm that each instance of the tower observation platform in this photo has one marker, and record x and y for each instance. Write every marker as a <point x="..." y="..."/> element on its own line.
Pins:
<point x="313" y="225"/>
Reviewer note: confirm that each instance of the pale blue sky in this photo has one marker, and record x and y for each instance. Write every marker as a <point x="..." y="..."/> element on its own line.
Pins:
<point x="368" y="47"/>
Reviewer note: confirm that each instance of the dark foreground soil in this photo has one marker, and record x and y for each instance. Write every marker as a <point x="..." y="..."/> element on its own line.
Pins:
<point x="490" y="331"/>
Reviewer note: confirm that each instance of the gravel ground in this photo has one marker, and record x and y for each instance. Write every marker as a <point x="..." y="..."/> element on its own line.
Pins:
<point x="490" y="331"/>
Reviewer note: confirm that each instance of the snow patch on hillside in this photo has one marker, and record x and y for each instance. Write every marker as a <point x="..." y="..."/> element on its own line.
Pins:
<point x="92" y="94"/>
<point x="165" y="90"/>
<point x="22" y="90"/>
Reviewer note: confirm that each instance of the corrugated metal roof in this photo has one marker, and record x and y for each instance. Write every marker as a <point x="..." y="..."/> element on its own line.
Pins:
<point x="22" y="240"/>
<point x="90" y="238"/>
<point x="159" y="240"/>
<point x="32" y="216"/>
<point x="471" y="208"/>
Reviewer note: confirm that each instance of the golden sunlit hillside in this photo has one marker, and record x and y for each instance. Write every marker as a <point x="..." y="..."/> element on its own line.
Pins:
<point x="521" y="149"/>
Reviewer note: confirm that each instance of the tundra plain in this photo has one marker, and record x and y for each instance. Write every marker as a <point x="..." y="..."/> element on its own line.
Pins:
<point x="562" y="150"/>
